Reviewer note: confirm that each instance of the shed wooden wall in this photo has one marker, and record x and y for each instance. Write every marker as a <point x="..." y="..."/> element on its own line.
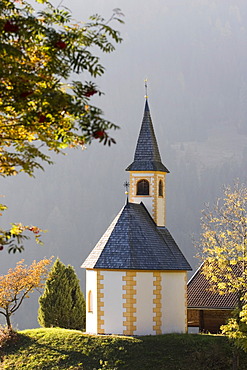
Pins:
<point x="208" y="320"/>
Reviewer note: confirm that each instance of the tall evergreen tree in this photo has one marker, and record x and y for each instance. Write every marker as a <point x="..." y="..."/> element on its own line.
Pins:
<point x="62" y="303"/>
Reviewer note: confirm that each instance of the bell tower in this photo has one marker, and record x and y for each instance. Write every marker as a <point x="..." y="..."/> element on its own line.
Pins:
<point x="147" y="172"/>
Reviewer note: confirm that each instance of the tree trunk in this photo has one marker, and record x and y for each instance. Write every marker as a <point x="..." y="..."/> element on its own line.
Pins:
<point x="8" y="321"/>
<point x="235" y="359"/>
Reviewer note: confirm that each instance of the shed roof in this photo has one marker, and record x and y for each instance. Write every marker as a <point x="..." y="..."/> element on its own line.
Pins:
<point x="147" y="156"/>
<point x="133" y="241"/>
<point x="200" y="296"/>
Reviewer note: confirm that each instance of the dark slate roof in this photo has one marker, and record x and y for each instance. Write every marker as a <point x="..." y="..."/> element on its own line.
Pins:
<point x="200" y="296"/>
<point x="147" y="156"/>
<point x="133" y="241"/>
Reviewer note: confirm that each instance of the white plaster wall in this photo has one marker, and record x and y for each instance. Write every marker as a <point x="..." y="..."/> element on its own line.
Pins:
<point x="173" y="302"/>
<point x="91" y="317"/>
<point x="113" y="301"/>
<point x="144" y="303"/>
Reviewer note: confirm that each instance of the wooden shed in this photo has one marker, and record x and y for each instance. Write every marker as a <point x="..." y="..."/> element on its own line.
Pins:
<point x="207" y="310"/>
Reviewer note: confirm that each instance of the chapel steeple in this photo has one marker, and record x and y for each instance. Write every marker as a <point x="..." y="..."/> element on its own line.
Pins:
<point x="147" y="155"/>
<point x="147" y="172"/>
<point x="136" y="273"/>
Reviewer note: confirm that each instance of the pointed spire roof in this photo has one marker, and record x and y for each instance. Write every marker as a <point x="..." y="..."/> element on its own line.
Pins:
<point x="147" y="155"/>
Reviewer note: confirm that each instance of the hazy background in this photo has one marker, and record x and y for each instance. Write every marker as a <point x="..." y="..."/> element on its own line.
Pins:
<point x="194" y="54"/>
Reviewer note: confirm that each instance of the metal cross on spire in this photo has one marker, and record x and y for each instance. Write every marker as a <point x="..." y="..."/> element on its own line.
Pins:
<point x="126" y="185"/>
<point x="146" y="88"/>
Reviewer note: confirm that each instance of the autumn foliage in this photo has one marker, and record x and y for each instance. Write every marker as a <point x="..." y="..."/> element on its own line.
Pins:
<point x="223" y="242"/>
<point x="18" y="283"/>
<point x="42" y="110"/>
<point x="40" y="106"/>
<point x="14" y="237"/>
<point x="223" y="248"/>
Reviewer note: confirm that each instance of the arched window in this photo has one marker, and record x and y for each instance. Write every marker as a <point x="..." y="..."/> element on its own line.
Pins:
<point x="142" y="187"/>
<point x="90" y="301"/>
<point x="161" y="188"/>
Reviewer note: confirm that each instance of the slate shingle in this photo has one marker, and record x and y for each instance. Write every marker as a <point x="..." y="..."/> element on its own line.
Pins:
<point x="147" y="156"/>
<point x="133" y="241"/>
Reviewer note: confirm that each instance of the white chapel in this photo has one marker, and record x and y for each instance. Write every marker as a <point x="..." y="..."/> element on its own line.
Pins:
<point x="136" y="276"/>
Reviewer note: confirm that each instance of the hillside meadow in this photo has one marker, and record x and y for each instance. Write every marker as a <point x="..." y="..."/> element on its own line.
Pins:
<point x="55" y="348"/>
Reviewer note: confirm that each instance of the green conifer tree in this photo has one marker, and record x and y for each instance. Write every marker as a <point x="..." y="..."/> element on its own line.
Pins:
<point x="62" y="303"/>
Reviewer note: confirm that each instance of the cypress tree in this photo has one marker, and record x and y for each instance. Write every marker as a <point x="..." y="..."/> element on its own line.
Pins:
<point x="62" y="303"/>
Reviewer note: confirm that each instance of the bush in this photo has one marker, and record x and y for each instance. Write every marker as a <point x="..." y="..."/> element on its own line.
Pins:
<point x="62" y="304"/>
<point x="7" y="337"/>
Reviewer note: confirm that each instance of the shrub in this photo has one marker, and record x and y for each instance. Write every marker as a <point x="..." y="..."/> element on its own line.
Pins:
<point x="62" y="304"/>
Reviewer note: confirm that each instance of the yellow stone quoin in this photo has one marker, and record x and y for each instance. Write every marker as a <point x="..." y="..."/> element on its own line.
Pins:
<point x="130" y="302"/>
<point x="157" y="301"/>
<point x="100" y="302"/>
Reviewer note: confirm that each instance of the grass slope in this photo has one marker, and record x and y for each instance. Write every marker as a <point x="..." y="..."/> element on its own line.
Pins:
<point x="56" y="348"/>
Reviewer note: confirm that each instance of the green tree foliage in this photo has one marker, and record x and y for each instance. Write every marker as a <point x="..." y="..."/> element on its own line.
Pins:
<point x="39" y="106"/>
<point x="236" y="327"/>
<point x="223" y="248"/>
<point x="62" y="303"/>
